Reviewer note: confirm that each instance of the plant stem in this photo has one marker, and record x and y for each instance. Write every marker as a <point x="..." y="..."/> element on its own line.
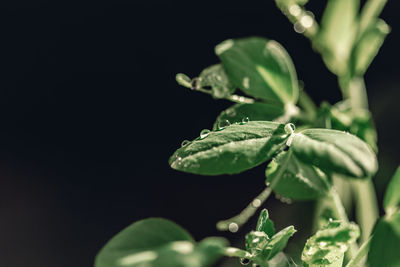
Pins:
<point x="233" y="224"/>
<point x="371" y="9"/>
<point x="361" y="253"/>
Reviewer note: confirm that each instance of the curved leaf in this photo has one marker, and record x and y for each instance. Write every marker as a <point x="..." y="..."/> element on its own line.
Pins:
<point x="136" y="243"/>
<point x="254" y="112"/>
<point x="335" y="151"/>
<point x="236" y="148"/>
<point x="260" y="67"/>
<point x="297" y="180"/>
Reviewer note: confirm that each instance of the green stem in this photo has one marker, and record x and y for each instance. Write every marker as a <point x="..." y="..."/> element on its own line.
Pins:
<point x="371" y="9"/>
<point x="233" y="224"/>
<point x="366" y="206"/>
<point x="361" y="253"/>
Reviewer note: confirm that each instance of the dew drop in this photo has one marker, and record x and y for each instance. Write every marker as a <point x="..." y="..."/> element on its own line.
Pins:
<point x="295" y="10"/>
<point x="244" y="261"/>
<point x="245" y="120"/>
<point x="185" y="143"/>
<point x="223" y="124"/>
<point x="233" y="227"/>
<point x="267" y="183"/>
<point x="204" y="133"/>
<point x="256" y="203"/>
<point x="195" y="84"/>
<point x="307" y="21"/>
<point x="289" y="128"/>
<point x="298" y="27"/>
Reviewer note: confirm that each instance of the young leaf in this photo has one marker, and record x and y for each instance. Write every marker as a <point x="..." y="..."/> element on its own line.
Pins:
<point x="260" y="67"/>
<point x="368" y="46"/>
<point x="254" y="112"/>
<point x="138" y="242"/>
<point x="335" y="151"/>
<point x="337" y="33"/>
<point x="295" y="179"/>
<point x="265" y="224"/>
<point x="391" y="201"/>
<point x="385" y="243"/>
<point x="235" y="148"/>
<point x="278" y="241"/>
<point x="328" y="245"/>
<point x="215" y="77"/>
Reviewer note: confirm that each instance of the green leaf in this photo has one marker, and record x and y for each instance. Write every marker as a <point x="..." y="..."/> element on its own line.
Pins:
<point x="391" y="201"/>
<point x="236" y="148"/>
<point x="328" y="245"/>
<point x="137" y="242"/>
<point x="279" y="241"/>
<point x="385" y="243"/>
<point x="337" y="33"/>
<point x="260" y="67"/>
<point x="215" y="77"/>
<point x="265" y="224"/>
<point x="368" y="46"/>
<point x="342" y="117"/>
<point x="335" y="151"/>
<point x="254" y="112"/>
<point x="295" y="179"/>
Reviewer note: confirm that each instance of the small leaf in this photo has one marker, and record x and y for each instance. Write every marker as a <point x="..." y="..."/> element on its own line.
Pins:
<point x="328" y="245"/>
<point x="368" y="46"/>
<point x="232" y="150"/>
<point x="265" y="224"/>
<point x="255" y="112"/>
<point x="137" y="242"/>
<point x="278" y="241"/>
<point x="260" y="67"/>
<point x="385" y="242"/>
<point x="337" y="33"/>
<point x="215" y="77"/>
<point x="335" y="151"/>
<point x="391" y="201"/>
<point x="184" y="80"/>
<point x="295" y="179"/>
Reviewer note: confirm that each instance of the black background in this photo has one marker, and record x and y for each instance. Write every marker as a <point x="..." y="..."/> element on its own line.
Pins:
<point x="90" y="113"/>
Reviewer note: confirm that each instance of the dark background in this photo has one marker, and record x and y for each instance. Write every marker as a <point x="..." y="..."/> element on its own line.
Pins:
<point x="90" y="113"/>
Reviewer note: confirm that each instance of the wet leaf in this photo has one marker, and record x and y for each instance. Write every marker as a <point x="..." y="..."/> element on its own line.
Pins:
<point x="215" y="77"/>
<point x="391" y="201"/>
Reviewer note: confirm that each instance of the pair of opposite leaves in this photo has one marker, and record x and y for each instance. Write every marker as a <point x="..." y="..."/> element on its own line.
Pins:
<point x="299" y="160"/>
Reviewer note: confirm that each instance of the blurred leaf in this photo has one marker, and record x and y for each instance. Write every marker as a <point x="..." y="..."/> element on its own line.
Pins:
<point x="391" y="201"/>
<point x="297" y="180"/>
<point x="265" y="224"/>
<point x="279" y="241"/>
<point x="215" y="77"/>
<point x="369" y="13"/>
<point x="335" y="151"/>
<point x="368" y="47"/>
<point x="385" y="243"/>
<point x="328" y="245"/>
<point x="341" y="117"/>
<point x="337" y="33"/>
<point x="233" y="149"/>
<point x="260" y="67"/>
<point x="254" y="112"/>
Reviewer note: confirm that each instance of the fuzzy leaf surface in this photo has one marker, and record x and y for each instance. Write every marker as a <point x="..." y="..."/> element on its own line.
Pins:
<point x="335" y="151"/>
<point x="260" y="67"/>
<point x="236" y="148"/>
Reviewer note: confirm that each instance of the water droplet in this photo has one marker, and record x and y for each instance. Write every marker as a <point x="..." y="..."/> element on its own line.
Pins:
<point x="244" y="261"/>
<point x="204" y="133"/>
<point x="323" y="244"/>
<point x="298" y="27"/>
<point x="223" y="124"/>
<point x="233" y="227"/>
<point x="195" y="84"/>
<point x="256" y="240"/>
<point x="289" y="128"/>
<point x="185" y="143"/>
<point x="256" y="203"/>
<point x="245" y="120"/>
<point x="307" y="21"/>
<point x="231" y="112"/>
<point x="295" y="10"/>
<point x="267" y="183"/>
